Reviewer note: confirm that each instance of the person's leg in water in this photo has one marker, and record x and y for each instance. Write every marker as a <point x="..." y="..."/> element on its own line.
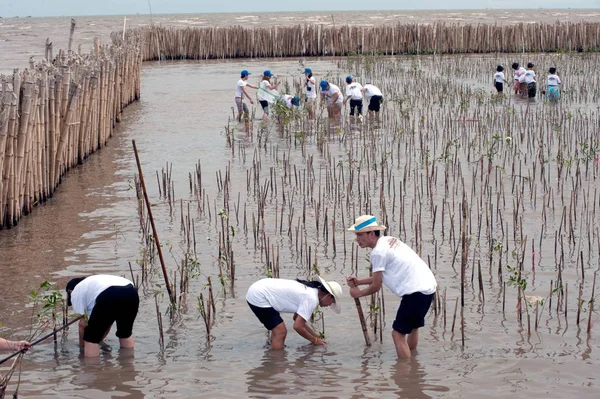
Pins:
<point x="278" y="335"/>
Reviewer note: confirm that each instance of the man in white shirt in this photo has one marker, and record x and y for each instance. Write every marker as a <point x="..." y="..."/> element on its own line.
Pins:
<point x="403" y="272"/>
<point x="103" y="299"/>
<point x="553" y="85"/>
<point x="354" y="93"/>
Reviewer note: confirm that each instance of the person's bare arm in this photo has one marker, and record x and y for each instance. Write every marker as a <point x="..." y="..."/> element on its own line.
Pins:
<point x="81" y="330"/>
<point x="302" y="328"/>
<point x="247" y="95"/>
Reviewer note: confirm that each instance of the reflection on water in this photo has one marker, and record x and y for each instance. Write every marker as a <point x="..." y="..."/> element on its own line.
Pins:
<point x="109" y="376"/>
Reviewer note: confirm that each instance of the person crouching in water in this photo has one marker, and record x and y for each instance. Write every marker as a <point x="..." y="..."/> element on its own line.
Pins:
<point x="528" y="78"/>
<point x="103" y="299"/>
<point x="266" y="93"/>
<point x="290" y="101"/>
<point x="270" y="296"/>
<point x="354" y="93"/>
<point x="332" y="96"/>
<point x="499" y="79"/>
<point x="374" y="97"/>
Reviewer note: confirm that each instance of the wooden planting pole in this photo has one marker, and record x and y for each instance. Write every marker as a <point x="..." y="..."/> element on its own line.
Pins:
<point x="154" y="231"/>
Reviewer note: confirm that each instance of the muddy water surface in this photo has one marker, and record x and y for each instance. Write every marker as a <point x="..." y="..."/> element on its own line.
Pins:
<point x="91" y="226"/>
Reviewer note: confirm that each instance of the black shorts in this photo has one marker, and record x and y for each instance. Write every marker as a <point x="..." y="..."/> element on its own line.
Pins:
<point x="499" y="86"/>
<point x="411" y="312"/>
<point x="531" y="89"/>
<point x="375" y="103"/>
<point x="356" y="104"/>
<point x="265" y="106"/>
<point x="118" y="304"/>
<point x="268" y="316"/>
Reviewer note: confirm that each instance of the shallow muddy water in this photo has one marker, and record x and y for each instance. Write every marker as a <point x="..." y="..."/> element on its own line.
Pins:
<point x="92" y="226"/>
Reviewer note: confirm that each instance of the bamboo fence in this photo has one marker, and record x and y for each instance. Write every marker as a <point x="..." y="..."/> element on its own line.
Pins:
<point x="53" y="115"/>
<point x="161" y="42"/>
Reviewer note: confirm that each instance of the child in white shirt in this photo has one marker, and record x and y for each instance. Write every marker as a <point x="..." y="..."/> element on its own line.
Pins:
<point x="499" y="79"/>
<point x="553" y="82"/>
<point x="528" y="78"/>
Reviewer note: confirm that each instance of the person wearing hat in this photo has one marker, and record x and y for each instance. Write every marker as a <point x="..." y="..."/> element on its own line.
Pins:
<point x="403" y="272"/>
<point x="290" y="101"/>
<point x="103" y="299"/>
<point x="354" y="93"/>
<point x="240" y="92"/>
<point x="270" y="296"/>
<point x="335" y="100"/>
<point x="267" y="93"/>
<point x="311" y="92"/>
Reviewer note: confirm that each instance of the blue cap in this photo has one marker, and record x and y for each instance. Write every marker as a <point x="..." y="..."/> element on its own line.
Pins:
<point x="296" y="101"/>
<point x="349" y="79"/>
<point x="245" y="73"/>
<point x="267" y="73"/>
<point x="324" y="85"/>
<point x="307" y="70"/>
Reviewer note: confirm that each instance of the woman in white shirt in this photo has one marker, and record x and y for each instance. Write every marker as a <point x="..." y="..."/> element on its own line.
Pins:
<point x="270" y="296"/>
<point x="267" y="93"/>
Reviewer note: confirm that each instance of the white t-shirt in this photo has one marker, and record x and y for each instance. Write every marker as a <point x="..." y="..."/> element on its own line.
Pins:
<point x="404" y="272"/>
<point x="287" y="99"/>
<point x="238" y="88"/>
<point x="310" y="84"/>
<point x="499" y="77"/>
<point x="371" y="91"/>
<point x="553" y="80"/>
<point x="528" y="76"/>
<point x="287" y="296"/>
<point x="266" y="94"/>
<point x="332" y="90"/>
<point x="519" y="72"/>
<point x="353" y="91"/>
<point x="83" y="297"/>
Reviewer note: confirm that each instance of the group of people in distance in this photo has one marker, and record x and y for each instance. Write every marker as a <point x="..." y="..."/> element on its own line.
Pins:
<point x="106" y="299"/>
<point x="525" y="83"/>
<point x="395" y="265"/>
<point x="331" y="95"/>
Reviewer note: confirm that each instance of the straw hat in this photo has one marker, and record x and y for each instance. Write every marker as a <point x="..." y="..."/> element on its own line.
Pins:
<point x="365" y="223"/>
<point x="334" y="289"/>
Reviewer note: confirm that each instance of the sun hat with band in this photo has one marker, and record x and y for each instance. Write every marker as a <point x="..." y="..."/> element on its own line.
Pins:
<point x="334" y="289"/>
<point x="365" y="223"/>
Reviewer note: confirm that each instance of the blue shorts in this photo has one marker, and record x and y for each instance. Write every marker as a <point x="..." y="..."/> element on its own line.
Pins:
<point x="268" y="316"/>
<point x="411" y="312"/>
<point x="553" y="93"/>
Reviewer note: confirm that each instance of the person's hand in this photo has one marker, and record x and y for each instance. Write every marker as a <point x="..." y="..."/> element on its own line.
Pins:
<point x="319" y="341"/>
<point x="352" y="281"/>
<point x="251" y="102"/>
<point x="21" y="345"/>
<point x="355" y="292"/>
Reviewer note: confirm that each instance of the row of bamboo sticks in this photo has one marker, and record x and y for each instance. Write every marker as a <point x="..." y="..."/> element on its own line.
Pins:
<point x="161" y="42"/>
<point x="53" y="115"/>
